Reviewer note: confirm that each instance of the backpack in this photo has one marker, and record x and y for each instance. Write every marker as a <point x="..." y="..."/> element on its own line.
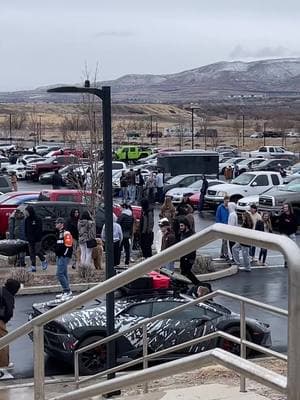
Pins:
<point x="68" y="239"/>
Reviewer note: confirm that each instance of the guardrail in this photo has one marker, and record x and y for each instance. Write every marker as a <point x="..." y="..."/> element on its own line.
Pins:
<point x="217" y="231"/>
<point x="167" y="314"/>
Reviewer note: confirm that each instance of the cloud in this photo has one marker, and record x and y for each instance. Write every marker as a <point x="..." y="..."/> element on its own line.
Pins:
<point x="263" y="52"/>
<point x="114" y="34"/>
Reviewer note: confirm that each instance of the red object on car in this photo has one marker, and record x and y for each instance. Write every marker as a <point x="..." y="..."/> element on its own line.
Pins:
<point x="194" y="199"/>
<point x="159" y="281"/>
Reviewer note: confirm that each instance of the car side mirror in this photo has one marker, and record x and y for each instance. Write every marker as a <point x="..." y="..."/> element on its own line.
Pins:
<point x="254" y="184"/>
<point x="54" y="162"/>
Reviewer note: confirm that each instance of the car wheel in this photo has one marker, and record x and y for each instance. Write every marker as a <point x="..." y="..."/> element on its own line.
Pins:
<point x="235" y="199"/>
<point x="94" y="360"/>
<point x="231" y="347"/>
<point x="48" y="243"/>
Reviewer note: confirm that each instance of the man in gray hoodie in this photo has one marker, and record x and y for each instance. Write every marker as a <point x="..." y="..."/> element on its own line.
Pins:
<point x="117" y="239"/>
<point x="126" y="222"/>
<point x="232" y="221"/>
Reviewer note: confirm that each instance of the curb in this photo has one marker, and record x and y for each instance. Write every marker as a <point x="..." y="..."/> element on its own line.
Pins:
<point x="81" y="287"/>
<point x="212" y="276"/>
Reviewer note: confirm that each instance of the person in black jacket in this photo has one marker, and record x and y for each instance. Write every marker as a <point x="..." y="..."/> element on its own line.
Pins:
<point x="126" y="222"/>
<point x="287" y="223"/>
<point x="57" y="181"/>
<point x="63" y="251"/>
<point x="72" y="227"/>
<point x="203" y="191"/>
<point x="187" y="261"/>
<point x="34" y="233"/>
<point x="7" y="305"/>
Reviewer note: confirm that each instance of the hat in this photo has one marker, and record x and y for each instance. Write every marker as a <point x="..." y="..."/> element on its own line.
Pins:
<point x="60" y="220"/>
<point x="254" y="206"/>
<point x="164" y="222"/>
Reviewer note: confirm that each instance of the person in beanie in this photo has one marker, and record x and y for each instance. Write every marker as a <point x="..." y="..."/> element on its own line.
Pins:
<point x="33" y="233"/>
<point x="63" y="251"/>
<point x="7" y="303"/>
<point x="222" y="215"/>
<point x="146" y="228"/>
<point x="72" y="227"/>
<point x="168" y="239"/>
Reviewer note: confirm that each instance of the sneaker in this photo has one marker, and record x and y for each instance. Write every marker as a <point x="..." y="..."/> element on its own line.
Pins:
<point x="66" y="295"/>
<point x="59" y="296"/>
<point x="44" y="265"/>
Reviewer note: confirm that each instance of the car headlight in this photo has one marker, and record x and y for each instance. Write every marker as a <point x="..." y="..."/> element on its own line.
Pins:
<point x="221" y="193"/>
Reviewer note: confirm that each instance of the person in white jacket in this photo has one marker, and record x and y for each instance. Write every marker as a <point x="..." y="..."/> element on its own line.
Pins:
<point x="232" y="221"/>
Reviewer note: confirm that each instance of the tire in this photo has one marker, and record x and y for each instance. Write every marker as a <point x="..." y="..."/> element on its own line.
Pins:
<point x="48" y="242"/>
<point x="231" y="347"/>
<point x="94" y="360"/>
<point x="235" y="198"/>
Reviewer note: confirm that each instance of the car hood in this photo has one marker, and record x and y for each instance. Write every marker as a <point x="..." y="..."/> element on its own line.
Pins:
<point x="179" y="191"/>
<point x="225" y="187"/>
<point x="249" y="199"/>
<point x="280" y="193"/>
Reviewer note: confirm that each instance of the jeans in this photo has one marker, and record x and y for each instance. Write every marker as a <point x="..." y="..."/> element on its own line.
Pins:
<point x="263" y="255"/>
<point x="139" y="194"/>
<point x="132" y="193"/>
<point x="201" y="202"/>
<point x="245" y="254"/>
<point x="62" y="273"/>
<point x="126" y="245"/>
<point x="252" y="251"/>
<point x="35" y="249"/>
<point x="85" y="255"/>
<point x="124" y="191"/>
<point x="224" y="249"/>
<point x="186" y="266"/>
<point x="160" y="194"/>
<point x="170" y="266"/>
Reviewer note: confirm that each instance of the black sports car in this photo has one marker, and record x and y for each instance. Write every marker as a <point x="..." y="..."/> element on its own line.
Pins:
<point x="88" y="324"/>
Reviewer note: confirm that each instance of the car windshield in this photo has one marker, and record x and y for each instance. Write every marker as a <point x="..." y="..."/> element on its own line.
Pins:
<point x="196" y="185"/>
<point x="175" y="179"/>
<point x="4" y="197"/>
<point x="264" y="163"/>
<point x="243" y="179"/>
<point x="244" y="162"/>
<point x="292" y="187"/>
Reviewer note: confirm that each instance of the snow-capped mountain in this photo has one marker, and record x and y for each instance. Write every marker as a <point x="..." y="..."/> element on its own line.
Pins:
<point x="222" y="79"/>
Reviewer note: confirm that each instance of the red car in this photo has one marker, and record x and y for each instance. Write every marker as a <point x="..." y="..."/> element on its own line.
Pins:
<point x="80" y="196"/>
<point x="9" y="202"/>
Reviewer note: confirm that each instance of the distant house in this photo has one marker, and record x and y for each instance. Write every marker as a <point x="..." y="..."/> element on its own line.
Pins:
<point x="207" y="133"/>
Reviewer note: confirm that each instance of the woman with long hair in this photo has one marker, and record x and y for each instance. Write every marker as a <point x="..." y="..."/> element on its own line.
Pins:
<point x="86" y="232"/>
<point x="244" y="248"/>
<point x="167" y="209"/>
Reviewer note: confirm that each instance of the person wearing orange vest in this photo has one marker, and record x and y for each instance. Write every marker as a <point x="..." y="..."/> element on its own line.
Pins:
<point x="63" y="251"/>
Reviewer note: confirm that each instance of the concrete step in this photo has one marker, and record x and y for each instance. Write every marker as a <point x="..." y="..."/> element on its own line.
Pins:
<point x="207" y="392"/>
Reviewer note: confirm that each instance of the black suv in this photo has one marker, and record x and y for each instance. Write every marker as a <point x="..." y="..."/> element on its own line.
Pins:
<point x="273" y="165"/>
<point x="48" y="211"/>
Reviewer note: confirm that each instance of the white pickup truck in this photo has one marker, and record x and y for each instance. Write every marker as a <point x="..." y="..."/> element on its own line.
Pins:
<point x="272" y="152"/>
<point x="247" y="184"/>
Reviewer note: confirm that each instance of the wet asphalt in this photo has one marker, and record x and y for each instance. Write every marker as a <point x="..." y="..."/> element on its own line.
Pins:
<point x="266" y="284"/>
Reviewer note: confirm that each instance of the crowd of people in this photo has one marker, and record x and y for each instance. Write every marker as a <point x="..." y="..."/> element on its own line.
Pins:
<point x="134" y="187"/>
<point x="252" y="219"/>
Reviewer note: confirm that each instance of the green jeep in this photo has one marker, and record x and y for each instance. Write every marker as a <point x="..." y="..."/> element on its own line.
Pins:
<point x="132" y="153"/>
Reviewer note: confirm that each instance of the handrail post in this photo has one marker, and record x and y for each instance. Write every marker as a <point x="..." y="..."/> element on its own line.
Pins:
<point x="76" y="369"/>
<point x="145" y="353"/>
<point x="39" y="362"/>
<point x="243" y="348"/>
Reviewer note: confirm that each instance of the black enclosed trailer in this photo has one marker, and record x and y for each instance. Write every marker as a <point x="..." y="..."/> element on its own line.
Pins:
<point x="189" y="162"/>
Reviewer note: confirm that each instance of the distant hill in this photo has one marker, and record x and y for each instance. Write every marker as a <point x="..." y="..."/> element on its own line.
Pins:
<point x="276" y="77"/>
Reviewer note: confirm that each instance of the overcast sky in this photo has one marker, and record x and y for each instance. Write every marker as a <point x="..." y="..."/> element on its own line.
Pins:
<point x="50" y="41"/>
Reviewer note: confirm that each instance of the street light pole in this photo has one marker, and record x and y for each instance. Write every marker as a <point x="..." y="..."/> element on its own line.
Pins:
<point x="105" y="95"/>
<point x="192" y="128"/>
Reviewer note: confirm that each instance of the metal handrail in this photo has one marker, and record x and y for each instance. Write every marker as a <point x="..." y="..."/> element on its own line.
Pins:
<point x="165" y="315"/>
<point x="217" y="231"/>
<point x="219" y="356"/>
